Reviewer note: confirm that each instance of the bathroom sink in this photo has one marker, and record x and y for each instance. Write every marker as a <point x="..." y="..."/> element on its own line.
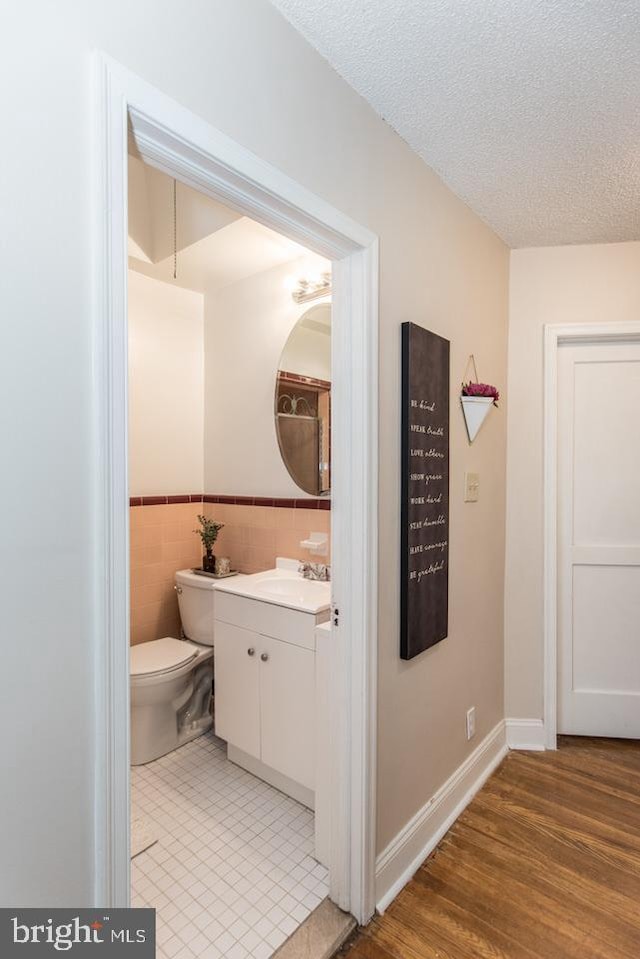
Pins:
<point x="283" y="586"/>
<point x="298" y="592"/>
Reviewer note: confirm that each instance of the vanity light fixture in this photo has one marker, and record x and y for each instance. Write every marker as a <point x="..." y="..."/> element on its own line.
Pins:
<point x="310" y="288"/>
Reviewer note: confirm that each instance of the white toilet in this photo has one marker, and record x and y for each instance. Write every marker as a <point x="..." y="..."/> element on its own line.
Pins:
<point x="171" y="678"/>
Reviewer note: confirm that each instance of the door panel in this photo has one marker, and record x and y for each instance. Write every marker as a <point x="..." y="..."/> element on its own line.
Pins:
<point x="607" y="658"/>
<point x="599" y="540"/>
<point x="287" y="697"/>
<point x="606" y="458"/>
<point x="237" y="687"/>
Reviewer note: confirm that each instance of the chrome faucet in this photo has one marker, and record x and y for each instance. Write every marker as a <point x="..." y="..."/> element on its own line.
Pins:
<point x="316" y="571"/>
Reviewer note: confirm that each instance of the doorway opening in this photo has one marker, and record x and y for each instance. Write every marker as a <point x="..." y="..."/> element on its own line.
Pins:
<point x="229" y="396"/>
<point x="188" y="150"/>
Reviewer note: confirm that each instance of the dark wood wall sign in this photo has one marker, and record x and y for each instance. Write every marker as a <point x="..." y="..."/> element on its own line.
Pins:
<point x="424" y="604"/>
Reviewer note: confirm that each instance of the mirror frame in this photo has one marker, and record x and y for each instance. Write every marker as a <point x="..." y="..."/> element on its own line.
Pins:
<point x="322" y="389"/>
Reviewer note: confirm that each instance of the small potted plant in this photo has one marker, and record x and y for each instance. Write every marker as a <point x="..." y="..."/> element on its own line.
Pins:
<point x="477" y="399"/>
<point x="208" y="533"/>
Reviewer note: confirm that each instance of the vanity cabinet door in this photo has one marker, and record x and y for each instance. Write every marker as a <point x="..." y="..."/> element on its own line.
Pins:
<point x="237" y="686"/>
<point x="287" y="698"/>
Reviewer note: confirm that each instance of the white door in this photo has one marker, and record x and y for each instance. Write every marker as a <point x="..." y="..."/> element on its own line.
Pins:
<point x="599" y="540"/>
<point x="287" y="700"/>
<point x="237" y="687"/>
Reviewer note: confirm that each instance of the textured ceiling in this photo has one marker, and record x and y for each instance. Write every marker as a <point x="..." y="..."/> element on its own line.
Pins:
<point x="528" y="109"/>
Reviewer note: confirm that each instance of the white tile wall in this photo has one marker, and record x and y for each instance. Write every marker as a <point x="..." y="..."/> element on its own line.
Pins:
<point x="233" y="873"/>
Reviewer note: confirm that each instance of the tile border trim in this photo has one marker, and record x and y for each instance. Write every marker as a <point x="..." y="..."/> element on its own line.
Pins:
<point x="278" y="502"/>
<point x="165" y="500"/>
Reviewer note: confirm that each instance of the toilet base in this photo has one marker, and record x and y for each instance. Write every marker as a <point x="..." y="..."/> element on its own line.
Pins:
<point x="171" y="712"/>
<point x="199" y="728"/>
<point x="186" y="736"/>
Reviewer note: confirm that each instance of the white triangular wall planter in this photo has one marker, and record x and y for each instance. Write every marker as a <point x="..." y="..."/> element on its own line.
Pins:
<point x="475" y="409"/>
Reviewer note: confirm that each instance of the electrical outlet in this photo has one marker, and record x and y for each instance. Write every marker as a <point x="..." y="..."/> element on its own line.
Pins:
<point x="471" y="487"/>
<point x="471" y="722"/>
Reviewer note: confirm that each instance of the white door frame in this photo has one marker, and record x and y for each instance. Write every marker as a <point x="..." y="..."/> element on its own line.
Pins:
<point x="183" y="145"/>
<point x="555" y="335"/>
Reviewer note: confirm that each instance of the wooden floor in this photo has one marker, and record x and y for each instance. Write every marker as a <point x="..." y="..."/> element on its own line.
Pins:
<point x="544" y="864"/>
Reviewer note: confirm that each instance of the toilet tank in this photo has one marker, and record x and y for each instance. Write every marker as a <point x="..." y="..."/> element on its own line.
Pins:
<point x="196" y="595"/>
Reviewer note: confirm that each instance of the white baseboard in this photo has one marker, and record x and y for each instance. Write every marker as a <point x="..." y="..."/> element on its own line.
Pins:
<point x="525" y="734"/>
<point x="405" y="853"/>
<point x="289" y="787"/>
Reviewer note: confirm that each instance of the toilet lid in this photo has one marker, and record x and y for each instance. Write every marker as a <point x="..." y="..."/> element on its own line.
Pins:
<point x="160" y="655"/>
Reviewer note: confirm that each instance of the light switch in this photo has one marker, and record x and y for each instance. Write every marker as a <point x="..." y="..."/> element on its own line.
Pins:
<point x="471" y="487"/>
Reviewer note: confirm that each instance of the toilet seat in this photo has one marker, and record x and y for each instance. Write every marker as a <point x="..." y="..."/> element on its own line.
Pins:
<point x="161" y="656"/>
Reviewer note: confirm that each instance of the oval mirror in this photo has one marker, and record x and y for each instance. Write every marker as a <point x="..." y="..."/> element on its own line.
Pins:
<point x="303" y="401"/>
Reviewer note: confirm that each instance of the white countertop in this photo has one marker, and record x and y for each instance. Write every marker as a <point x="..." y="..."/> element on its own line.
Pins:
<point x="281" y="587"/>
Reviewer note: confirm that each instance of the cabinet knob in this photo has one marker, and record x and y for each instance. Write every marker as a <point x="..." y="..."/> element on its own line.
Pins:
<point x="264" y="657"/>
<point x="178" y="589"/>
<point x="251" y="651"/>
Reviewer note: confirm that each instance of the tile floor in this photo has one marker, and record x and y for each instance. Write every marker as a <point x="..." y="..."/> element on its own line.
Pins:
<point x="232" y="874"/>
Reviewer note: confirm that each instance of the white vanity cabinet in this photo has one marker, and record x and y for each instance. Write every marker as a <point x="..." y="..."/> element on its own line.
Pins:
<point x="237" y="676"/>
<point x="265" y="691"/>
<point x="287" y="710"/>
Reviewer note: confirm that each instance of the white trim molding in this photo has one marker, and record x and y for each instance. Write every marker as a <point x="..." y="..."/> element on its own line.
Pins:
<point x="554" y="336"/>
<point x="525" y="734"/>
<point x="407" y="851"/>
<point x="183" y="145"/>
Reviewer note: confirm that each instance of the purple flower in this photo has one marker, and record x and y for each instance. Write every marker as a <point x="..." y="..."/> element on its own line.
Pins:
<point x="481" y="389"/>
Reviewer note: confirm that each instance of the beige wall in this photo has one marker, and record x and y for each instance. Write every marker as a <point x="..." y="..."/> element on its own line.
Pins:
<point x="570" y="284"/>
<point x="461" y="294"/>
<point x="241" y="67"/>
<point x="247" y="325"/>
<point x="166" y="388"/>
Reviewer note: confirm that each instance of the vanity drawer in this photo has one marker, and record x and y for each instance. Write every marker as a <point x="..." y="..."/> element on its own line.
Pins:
<point x="289" y="625"/>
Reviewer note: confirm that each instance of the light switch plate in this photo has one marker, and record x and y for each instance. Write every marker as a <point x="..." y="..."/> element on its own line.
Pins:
<point x="471" y="487"/>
